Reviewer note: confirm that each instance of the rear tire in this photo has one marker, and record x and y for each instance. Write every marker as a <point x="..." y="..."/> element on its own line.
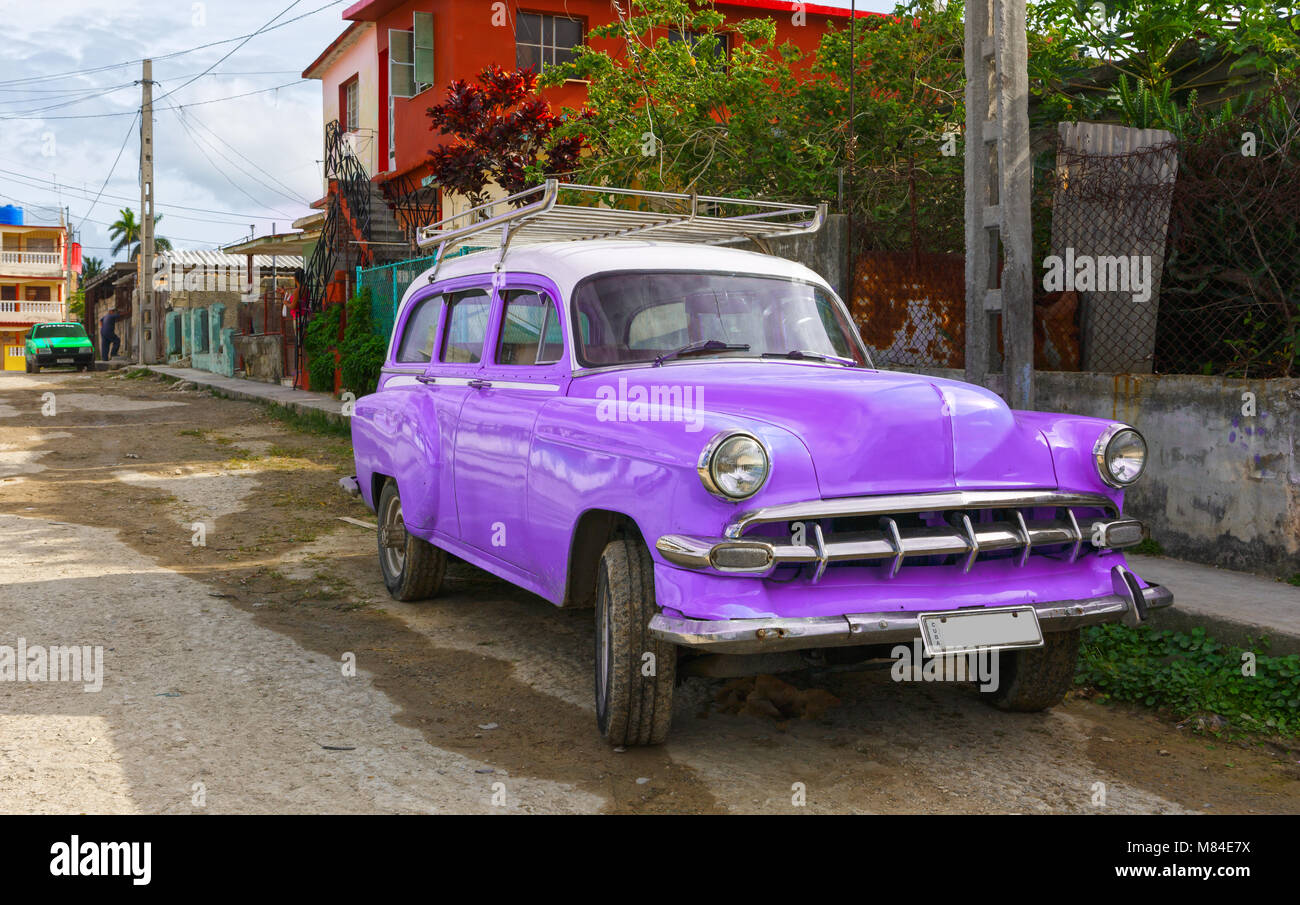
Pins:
<point x="1038" y="678"/>
<point x="632" y="708"/>
<point x="412" y="567"/>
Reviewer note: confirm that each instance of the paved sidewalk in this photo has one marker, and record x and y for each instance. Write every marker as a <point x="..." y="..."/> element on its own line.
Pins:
<point x="257" y="391"/>
<point x="1231" y="606"/>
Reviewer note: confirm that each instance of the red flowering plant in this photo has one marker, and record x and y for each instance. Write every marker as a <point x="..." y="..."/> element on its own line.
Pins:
<point x="501" y="132"/>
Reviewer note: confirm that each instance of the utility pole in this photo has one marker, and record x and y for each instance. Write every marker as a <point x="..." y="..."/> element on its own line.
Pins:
<point x="144" y="283"/>
<point x="999" y="172"/>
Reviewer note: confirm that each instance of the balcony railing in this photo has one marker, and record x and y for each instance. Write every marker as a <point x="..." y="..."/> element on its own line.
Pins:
<point x="42" y="258"/>
<point x="30" y="312"/>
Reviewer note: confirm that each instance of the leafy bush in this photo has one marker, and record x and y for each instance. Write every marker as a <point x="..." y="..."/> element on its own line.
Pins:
<point x="1191" y="674"/>
<point x="319" y="339"/>
<point x="362" y="352"/>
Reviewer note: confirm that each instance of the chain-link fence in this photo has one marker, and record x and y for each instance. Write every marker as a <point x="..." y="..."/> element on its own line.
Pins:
<point x="1151" y="255"/>
<point x="909" y="290"/>
<point x="1230" y="303"/>
<point x="389" y="282"/>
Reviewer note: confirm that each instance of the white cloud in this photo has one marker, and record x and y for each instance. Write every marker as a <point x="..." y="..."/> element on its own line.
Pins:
<point x="279" y="131"/>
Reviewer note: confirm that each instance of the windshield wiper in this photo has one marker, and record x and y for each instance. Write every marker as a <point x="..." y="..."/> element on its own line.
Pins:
<point x="702" y="348"/>
<point x="801" y="354"/>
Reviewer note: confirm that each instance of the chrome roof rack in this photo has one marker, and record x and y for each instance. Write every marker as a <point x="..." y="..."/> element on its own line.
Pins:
<point x="536" y="215"/>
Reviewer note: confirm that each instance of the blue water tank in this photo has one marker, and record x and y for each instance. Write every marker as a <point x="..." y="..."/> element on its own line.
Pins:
<point x="11" y="215"/>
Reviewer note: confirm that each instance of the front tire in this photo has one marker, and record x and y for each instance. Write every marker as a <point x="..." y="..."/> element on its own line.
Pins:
<point x="632" y="708"/>
<point x="412" y="567"/>
<point x="1038" y="678"/>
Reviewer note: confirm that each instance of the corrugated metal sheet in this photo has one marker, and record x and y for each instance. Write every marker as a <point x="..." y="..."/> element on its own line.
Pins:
<point x="215" y="260"/>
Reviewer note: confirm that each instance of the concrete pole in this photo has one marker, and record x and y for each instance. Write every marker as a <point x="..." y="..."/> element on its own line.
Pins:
<point x="144" y="283"/>
<point x="999" y="174"/>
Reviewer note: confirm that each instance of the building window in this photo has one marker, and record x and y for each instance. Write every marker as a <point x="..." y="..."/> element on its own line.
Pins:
<point x="8" y="293"/>
<point x="38" y="293"/>
<point x="542" y="41"/>
<point x="410" y="62"/>
<point x="350" y="115"/>
<point x="693" y="38"/>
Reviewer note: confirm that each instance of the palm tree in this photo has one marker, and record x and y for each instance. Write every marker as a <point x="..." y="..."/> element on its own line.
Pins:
<point x="91" y="267"/>
<point x="125" y="232"/>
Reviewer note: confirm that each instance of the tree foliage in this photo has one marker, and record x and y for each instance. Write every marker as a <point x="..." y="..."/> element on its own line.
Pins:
<point x="500" y="132"/>
<point x="125" y="233"/>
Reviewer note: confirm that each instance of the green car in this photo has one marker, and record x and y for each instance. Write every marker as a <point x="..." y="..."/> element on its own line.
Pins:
<point x="58" y="344"/>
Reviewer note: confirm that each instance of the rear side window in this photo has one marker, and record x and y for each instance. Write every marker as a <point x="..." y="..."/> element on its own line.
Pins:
<point x="420" y="335"/>
<point x="467" y="321"/>
<point x="530" y="330"/>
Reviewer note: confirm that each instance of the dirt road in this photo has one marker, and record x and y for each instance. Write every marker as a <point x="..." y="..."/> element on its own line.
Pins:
<point x="227" y="685"/>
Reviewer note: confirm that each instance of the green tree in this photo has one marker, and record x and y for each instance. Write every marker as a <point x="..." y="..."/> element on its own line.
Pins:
<point x="1144" y="62"/>
<point x="91" y="267"/>
<point x="692" y="103"/>
<point x="125" y="233"/>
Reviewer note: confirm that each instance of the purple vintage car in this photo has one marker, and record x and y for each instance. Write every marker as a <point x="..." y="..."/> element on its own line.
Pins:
<point x="694" y="441"/>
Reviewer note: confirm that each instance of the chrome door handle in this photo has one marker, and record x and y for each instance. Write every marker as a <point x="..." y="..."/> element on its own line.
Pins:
<point x="426" y="379"/>
<point x="480" y="384"/>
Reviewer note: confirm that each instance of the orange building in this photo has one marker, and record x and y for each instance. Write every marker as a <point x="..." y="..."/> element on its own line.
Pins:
<point x="34" y="270"/>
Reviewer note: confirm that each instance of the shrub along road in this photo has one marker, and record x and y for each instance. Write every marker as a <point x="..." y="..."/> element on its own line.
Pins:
<point x="225" y="685"/>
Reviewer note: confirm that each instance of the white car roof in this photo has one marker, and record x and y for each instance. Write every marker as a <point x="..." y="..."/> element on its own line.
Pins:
<point x="568" y="263"/>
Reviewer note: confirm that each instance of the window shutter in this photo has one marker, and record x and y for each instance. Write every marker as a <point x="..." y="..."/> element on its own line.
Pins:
<point x="424" y="48"/>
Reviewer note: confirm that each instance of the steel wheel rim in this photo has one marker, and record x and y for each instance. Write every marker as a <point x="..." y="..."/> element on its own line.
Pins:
<point x="394" y="559"/>
<point x="603" y="640"/>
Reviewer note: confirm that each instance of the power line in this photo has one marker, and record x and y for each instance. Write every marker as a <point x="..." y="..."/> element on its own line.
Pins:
<point x="199" y="144"/>
<point x="214" y="100"/>
<point x="203" y="210"/>
<point x="80" y="195"/>
<point x="27" y="114"/>
<point x="233" y="50"/>
<point x="32" y="205"/>
<point x="125" y="139"/>
<point x="292" y="196"/>
<point x="167" y="56"/>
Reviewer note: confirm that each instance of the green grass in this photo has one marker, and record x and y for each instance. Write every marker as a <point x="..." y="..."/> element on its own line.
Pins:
<point x="1191" y="674"/>
<point x="309" y="421"/>
<point x="1294" y="579"/>
<point x="1149" y="547"/>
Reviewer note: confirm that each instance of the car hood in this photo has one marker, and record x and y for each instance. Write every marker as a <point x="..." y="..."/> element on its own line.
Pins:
<point x="867" y="431"/>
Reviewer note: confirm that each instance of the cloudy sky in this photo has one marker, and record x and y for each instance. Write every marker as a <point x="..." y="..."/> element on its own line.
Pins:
<point x="226" y="160"/>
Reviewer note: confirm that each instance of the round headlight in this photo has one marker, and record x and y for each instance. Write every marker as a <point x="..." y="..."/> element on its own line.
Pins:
<point x="734" y="466"/>
<point x="1121" y="456"/>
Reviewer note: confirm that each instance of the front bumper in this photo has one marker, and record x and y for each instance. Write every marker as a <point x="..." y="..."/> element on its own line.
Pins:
<point x="57" y="358"/>
<point x="1129" y="604"/>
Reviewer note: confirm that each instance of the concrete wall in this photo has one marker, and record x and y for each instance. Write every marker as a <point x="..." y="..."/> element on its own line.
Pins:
<point x="1223" y="484"/>
<point x="261" y="355"/>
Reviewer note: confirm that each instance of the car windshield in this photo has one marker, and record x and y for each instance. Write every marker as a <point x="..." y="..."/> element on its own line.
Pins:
<point x="58" y="330"/>
<point x="653" y="316"/>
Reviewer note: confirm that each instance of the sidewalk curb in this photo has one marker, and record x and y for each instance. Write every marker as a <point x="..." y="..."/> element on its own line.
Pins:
<point x="302" y="402"/>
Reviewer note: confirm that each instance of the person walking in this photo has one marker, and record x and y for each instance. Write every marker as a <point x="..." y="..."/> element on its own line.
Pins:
<point x="108" y="335"/>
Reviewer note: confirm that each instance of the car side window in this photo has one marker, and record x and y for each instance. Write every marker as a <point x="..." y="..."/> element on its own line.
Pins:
<point x="420" y="334"/>
<point x="467" y="321"/>
<point x="530" y="330"/>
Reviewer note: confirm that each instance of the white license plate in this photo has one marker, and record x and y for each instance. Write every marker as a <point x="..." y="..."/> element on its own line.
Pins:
<point x="64" y="361"/>
<point x="960" y="631"/>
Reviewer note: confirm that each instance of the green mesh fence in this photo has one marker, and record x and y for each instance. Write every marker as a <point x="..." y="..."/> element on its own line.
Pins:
<point x="389" y="282"/>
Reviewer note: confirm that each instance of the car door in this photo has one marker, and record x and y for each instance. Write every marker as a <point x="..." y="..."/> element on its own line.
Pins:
<point x="441" y="344"/>
<point x="527" y="366"/>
